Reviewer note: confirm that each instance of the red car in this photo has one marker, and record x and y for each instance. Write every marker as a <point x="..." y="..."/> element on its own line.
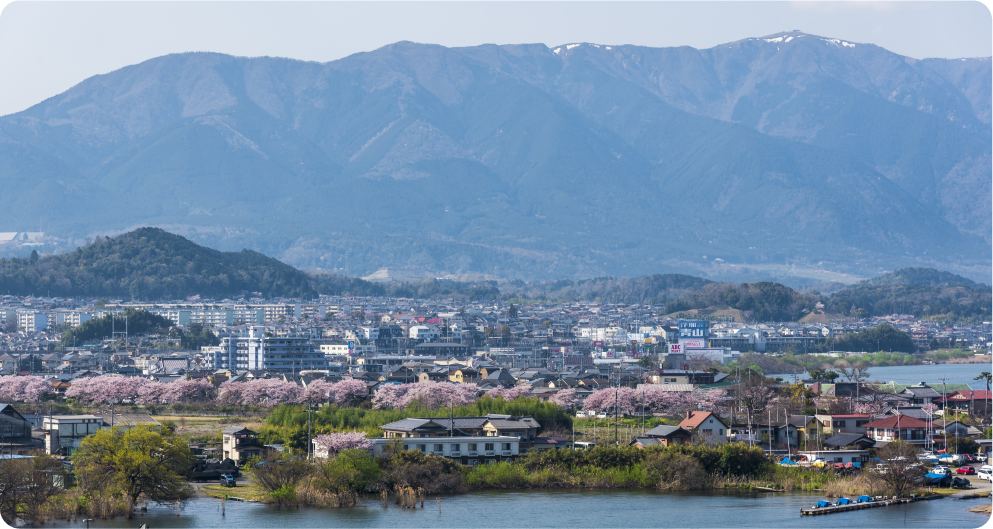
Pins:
<point x="966" y="470"/>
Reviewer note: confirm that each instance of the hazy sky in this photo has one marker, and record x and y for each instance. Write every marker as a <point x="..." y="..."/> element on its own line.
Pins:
<point x="47" y="47"/>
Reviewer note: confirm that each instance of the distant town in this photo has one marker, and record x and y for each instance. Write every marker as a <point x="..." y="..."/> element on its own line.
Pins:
<point x="365" y="336"/>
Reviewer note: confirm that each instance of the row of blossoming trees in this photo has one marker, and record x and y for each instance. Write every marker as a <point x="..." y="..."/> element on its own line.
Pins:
<point x="348" y="392"/>
<point x="115" y="389"/>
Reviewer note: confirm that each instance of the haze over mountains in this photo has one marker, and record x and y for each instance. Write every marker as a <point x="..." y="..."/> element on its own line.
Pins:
<point x="524" y="161"/>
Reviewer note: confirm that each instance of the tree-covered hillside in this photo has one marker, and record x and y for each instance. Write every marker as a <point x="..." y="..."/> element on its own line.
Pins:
<point x="149" y="263"/>
<point x="923" y="292"/>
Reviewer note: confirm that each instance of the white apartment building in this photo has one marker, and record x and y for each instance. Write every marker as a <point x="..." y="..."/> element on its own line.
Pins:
<point x="65" y="317"/>
<point x="32" y="321"/>
<point x="257" y="350"/>
<point x="342" y="349"/>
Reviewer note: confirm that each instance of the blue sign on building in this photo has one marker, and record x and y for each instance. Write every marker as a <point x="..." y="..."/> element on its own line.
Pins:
<point x="693" y="329"/>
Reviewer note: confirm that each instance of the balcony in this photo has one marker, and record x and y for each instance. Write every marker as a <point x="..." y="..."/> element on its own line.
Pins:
<point x="472" y="453"/>
<point x="456" y="454"/>
<point x="507" y="453"/>
<point x="490" y="452"/>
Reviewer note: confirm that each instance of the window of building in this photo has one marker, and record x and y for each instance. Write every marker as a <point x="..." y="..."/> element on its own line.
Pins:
<point x="489" y="447"/>
<point x="422" y="448"/>
<point x="439" y="448"/>
<point x="472" y="447"/>
<point x="506" y="446"/>
<point x="456" y="447"/>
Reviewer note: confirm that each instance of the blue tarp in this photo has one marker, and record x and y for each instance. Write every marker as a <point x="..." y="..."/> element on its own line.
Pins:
<point x="822" y="503"/>
<point x="844" y="501"/>
<point x="787" y="461"/>
<point x="857" y="464"/>
<point x="864" y="499"/>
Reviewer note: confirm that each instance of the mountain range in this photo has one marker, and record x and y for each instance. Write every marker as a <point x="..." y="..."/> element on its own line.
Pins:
<point x="524" y="161"/>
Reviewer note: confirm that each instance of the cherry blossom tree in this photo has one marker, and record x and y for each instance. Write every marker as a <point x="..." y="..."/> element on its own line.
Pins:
<point x="434" y="395"/>
<point x="509" y="393"/>
<point x="329" y="445"/>
<point x="622" y="400"/>
<point x="390" y="396"/>
<point x="23" y="388"/>
<point x="317" y="392"/>
<point x="565" y="399"/>
<point x="348" y="392"/>
<point x="189" y="391"/>
<point x="430" y="395"/>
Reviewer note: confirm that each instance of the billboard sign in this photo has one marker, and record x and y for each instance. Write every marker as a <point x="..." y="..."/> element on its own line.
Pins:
<point x="351" y="347"/>
<point x="696" y="343"/>
<point x="675" y="349"/>
<point x="693" y="329"/>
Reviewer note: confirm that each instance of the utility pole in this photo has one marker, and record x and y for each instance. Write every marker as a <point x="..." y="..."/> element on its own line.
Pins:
<point x="309" y="441"/>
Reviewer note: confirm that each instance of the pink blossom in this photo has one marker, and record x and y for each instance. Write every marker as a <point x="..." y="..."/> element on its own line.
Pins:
<point x="509" y="393"/>
<point x="565" y="399"/>
<point x="346" y="392"/>
<point x="328" y="445"/>
<point x="430" y="395"/>
<point x="14" y="388"/>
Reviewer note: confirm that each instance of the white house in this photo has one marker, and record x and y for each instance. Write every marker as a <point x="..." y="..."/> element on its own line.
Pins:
<point x="427" y="333"/>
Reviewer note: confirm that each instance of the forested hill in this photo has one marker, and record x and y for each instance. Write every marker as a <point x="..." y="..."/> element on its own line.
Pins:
<point x="925" y="277"/>
<point x="923" y="292"/>
<point x="150" y="263"/>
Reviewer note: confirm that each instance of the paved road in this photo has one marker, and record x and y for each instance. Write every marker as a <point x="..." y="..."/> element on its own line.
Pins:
<point x="980" y="485"/>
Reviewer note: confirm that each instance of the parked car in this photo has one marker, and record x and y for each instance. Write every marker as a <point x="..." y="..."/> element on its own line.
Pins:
<point x="227" y="480"/>
<point x="941" y="469"/>
<point x="980" y="457"/>
<point x="985" y="472"/>
<point x="967" y="469"/>
<point x="820" y="463"/>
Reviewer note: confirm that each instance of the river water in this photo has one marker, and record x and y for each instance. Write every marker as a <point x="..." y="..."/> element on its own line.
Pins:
<point x="569" y="509"/>
<point x="932" y="374"/>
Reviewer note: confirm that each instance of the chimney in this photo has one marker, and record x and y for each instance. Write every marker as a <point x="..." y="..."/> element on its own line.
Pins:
<point x="689" y="414"/>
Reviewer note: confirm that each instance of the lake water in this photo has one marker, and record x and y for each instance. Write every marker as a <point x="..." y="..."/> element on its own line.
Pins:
<point x="953" y="373"/>
<point x="569" y="509"/>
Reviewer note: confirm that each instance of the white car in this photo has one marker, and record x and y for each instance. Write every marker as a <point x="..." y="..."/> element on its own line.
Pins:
<point x="941" y="469"/>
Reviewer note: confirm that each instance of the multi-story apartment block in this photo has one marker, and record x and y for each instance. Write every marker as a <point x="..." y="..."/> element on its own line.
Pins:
<point x="71" y="318"/>
<point x="32" y="321"/>
<point x="258" y="350"/>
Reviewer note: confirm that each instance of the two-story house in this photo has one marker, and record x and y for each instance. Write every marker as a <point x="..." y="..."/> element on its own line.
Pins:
<point x="901" y="427"/>
<point x="240" y="443"/>
<point x="843" y="423"/>
<point x="711" y="428"/>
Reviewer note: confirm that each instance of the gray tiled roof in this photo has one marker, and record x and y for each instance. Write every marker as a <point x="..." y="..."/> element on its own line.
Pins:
<point x="235" y="429"/>
<point x="844" y="439"/>
<point x="663" y="431"/>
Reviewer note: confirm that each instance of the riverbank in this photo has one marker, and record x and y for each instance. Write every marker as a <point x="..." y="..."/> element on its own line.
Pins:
<point x="560" y="509"/>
